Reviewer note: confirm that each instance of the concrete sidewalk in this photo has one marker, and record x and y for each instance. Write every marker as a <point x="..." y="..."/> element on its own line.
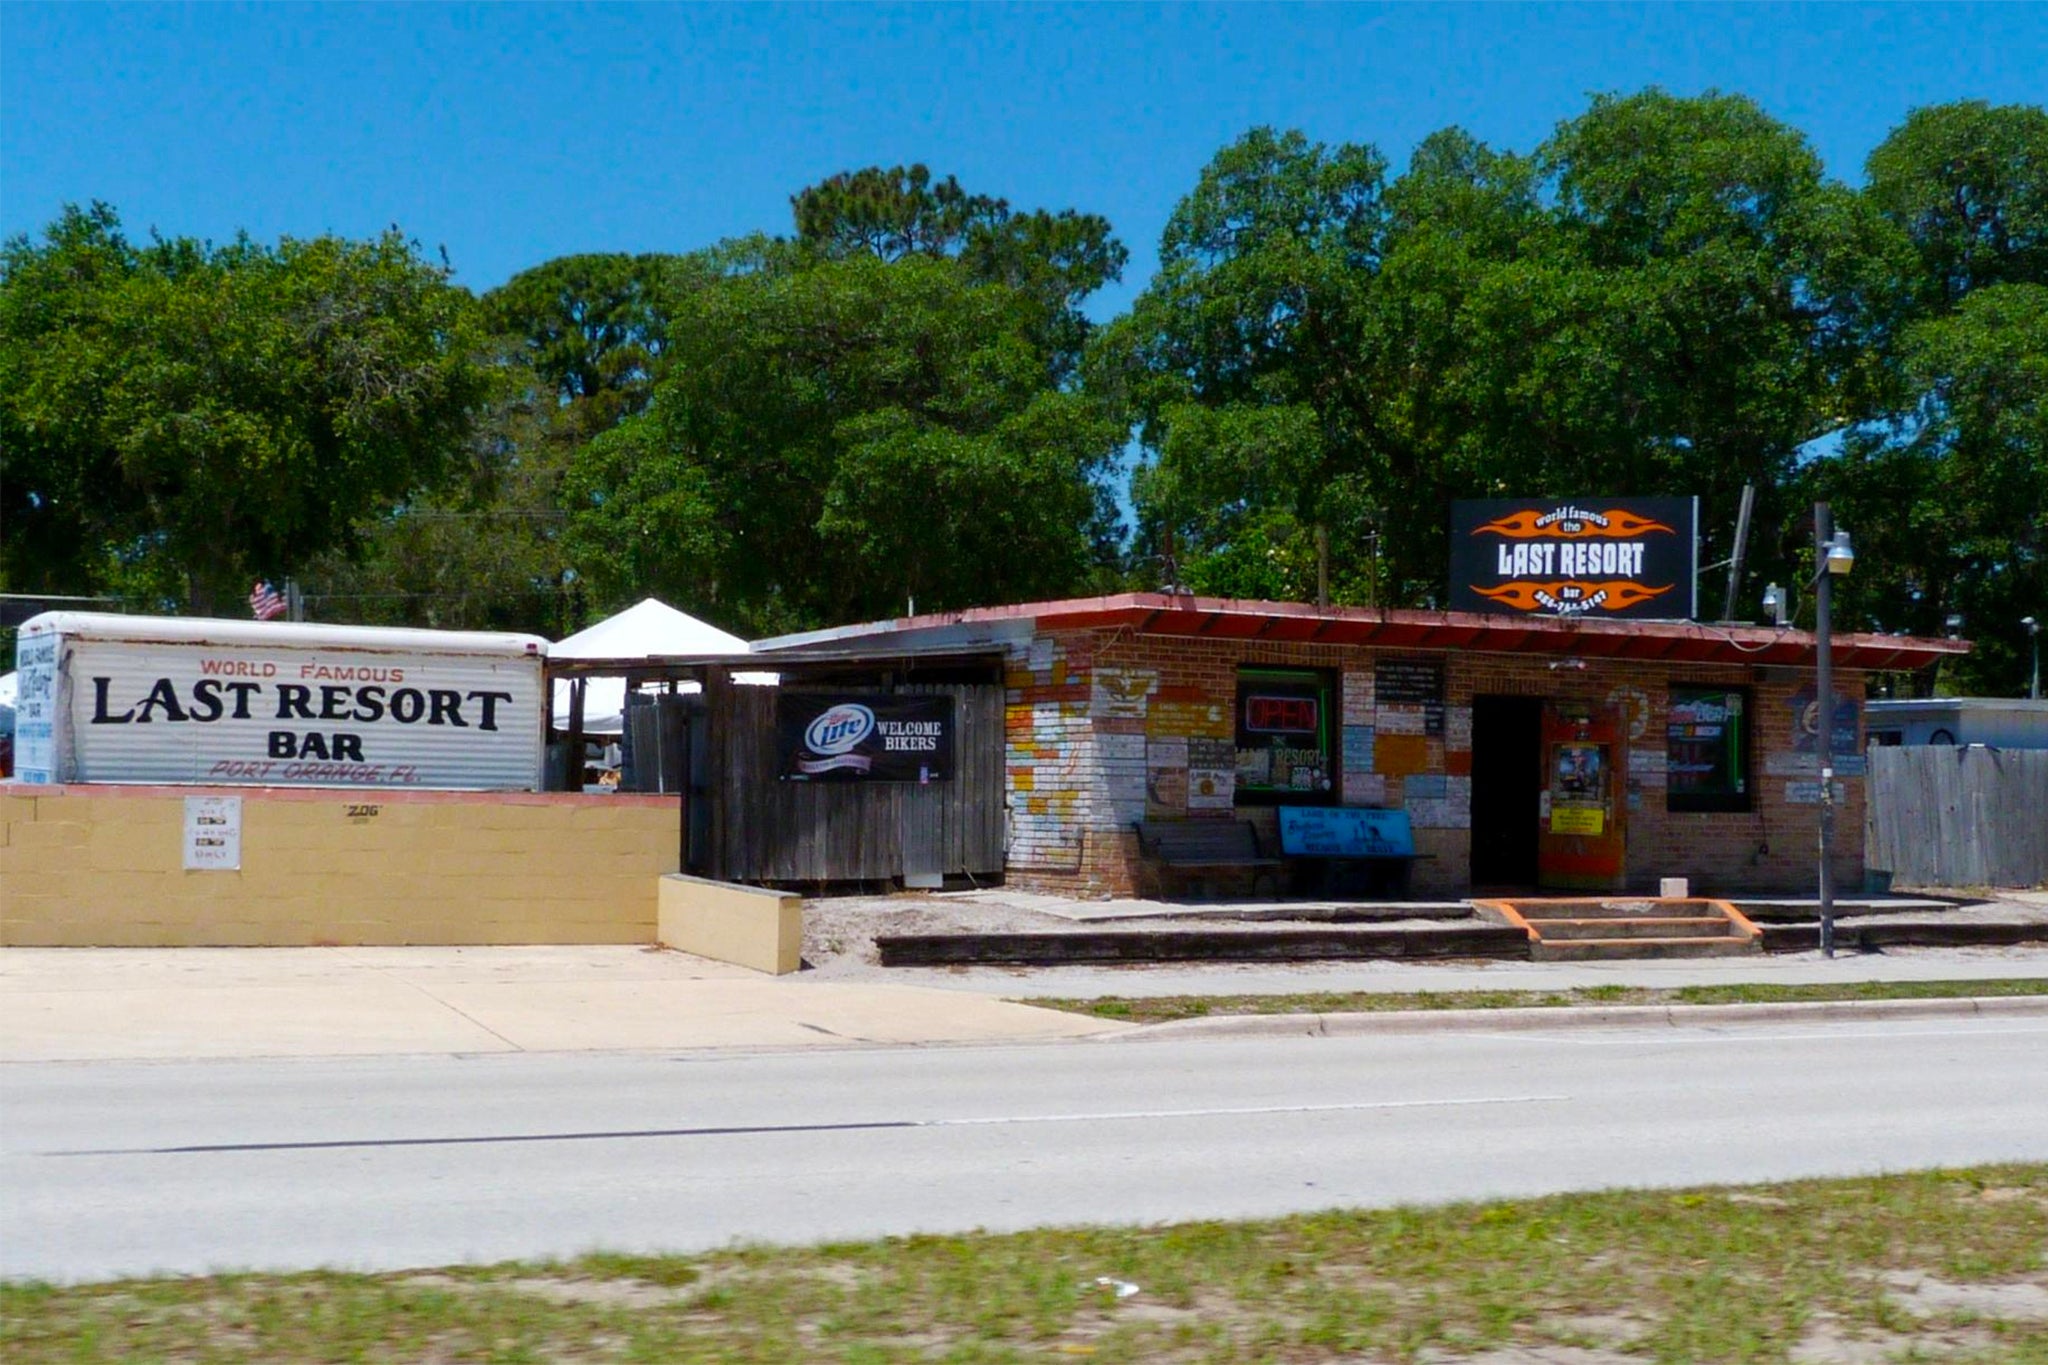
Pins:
<point x="79" y="1004"/>
<point x="1395" y="977"/>
<point x="74" y="1004"/>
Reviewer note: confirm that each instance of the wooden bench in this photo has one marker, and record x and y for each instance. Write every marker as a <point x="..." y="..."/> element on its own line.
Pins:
<point x="1203" y="847"/>
<point x="1349" y="850"/>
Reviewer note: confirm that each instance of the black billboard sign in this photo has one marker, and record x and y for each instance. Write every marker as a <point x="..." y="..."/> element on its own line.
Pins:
<point x="820" y="737"/>
<point x="1593" y="557"/>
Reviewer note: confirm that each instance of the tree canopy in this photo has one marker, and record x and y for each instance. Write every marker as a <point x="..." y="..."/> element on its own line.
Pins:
<point x="905" y="398"/>
<point x="178" y="417"/>
<point x="834" y="439"/>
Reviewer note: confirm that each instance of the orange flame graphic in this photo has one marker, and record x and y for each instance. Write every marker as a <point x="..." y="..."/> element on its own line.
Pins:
<point x="1620" y="525"/>
<point x="1620" y="593"/>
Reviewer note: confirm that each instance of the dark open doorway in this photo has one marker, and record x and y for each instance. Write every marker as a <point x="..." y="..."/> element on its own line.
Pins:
<point x="1507" y="783"/>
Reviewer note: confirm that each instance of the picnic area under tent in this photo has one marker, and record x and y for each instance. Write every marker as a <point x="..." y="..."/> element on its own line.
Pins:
<point x="648" y="631"/>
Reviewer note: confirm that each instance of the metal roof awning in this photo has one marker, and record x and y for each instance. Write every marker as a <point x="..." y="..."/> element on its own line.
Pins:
<point x="1215" y="618"/>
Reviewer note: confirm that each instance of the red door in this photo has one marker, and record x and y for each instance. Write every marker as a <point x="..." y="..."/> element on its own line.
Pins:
<point x="1582" y="843"/>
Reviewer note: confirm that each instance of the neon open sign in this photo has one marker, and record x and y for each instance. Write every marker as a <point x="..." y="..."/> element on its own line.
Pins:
<point x="1267" y="715"/>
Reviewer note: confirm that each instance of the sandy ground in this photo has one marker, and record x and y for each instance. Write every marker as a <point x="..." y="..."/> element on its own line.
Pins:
<point x="840" y="931"/>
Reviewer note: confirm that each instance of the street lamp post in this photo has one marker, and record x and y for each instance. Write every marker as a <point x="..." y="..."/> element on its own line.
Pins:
<point x="2034" y="638"/>
<point x="1832" y="558"/>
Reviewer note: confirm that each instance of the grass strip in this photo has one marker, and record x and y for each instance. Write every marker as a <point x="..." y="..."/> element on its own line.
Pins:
<point x="1165" y="1008"/>
<point x="1930" y="1265"/>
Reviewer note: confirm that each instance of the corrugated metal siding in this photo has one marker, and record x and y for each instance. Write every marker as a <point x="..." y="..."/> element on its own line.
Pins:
<point x="234" y="749"/>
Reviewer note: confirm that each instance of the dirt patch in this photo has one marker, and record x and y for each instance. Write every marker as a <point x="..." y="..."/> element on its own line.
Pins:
<point x="1600" y="1329"/>
<point x="569" y="1290"/>
<point x="1828" y="1341"/>
<point x="840" y="931"/>
<point x="1532" y="1355"/>
<point x="1924" y="1296"/>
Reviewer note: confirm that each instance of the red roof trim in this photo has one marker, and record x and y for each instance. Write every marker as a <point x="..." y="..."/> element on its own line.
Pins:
<point x="1402" y="628"/>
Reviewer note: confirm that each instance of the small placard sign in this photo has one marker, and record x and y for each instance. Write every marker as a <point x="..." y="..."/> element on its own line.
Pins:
<point x="213" y="833"/>
<point x="1345" y="832"/>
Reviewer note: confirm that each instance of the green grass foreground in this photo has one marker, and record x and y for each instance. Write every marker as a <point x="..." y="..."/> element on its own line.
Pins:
<point x="1165" y="1008"/>
<point x="1927" y="1266"/>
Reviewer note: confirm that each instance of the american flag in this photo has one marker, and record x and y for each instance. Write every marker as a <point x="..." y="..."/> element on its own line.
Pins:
<point x="266" y="602"/>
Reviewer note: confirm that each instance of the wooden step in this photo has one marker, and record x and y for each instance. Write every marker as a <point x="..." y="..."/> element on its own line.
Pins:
<point x="1622" y="949"/>
<point x="1642" y="926"/>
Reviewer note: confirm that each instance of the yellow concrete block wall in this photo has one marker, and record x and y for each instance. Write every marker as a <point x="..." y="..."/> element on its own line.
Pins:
<point x="103" y="865"/>
<point x="744" y="925"/>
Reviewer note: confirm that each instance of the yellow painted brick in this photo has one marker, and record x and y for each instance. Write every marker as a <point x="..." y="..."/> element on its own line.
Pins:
<point x="133" y="854"/>
<point x="67" y="834"/>
<point x="461" y="863"/>
<point x="132" y="812"/>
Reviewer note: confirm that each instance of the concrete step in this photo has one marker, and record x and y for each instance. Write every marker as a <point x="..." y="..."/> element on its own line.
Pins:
<point x="1535" y="911"/>
<point x="1622" y="949"/>
<point x="1646" y="927"/>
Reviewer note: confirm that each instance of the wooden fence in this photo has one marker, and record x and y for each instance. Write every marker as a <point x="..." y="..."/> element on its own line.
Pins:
<point x="769" y="830"/>
<point x="1941" y="816"/>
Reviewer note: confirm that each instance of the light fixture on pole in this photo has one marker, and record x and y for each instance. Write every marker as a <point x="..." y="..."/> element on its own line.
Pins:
<point x="1833" y="559"/>
<point x="1777" y="604"/>
<point x="2034" y="637"/>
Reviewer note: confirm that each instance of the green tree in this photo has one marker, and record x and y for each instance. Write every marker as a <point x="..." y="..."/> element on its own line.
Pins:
<point x="484" y="550"/>
<point x="1945" y="491"/>
<point x="1668" y="297"/>
<point x="836" y="437"/>
<point x="1054" y="259"/>
<point x="196" y="416"/>
<point x="1949" y="504"/>
<point x="1241" y="361"/>
<point x="594" y="329"/>
<point x="1968" y="182"/>
<point x="578" y="344"/>
<point x="872" y="413"/>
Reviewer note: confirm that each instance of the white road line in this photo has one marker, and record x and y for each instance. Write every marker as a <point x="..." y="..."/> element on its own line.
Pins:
<point x="1700" y="1035"/>
<point x="1248" y="1110"/>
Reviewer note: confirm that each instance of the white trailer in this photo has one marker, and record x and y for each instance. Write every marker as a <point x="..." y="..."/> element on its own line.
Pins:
<point x="275" y="704"/>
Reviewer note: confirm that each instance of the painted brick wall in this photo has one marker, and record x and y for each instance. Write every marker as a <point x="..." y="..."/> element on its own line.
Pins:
<point x="1108" y="728"/>
<point x="103" y="865"/>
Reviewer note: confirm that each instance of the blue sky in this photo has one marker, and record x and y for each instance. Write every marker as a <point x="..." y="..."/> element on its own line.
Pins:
<point x="511" y="134"/>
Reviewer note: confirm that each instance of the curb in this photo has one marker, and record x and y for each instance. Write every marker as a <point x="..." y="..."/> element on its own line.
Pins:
<point x="1538" y="1018"/>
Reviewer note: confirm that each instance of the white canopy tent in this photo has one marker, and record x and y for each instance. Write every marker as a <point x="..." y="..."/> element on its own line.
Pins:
<point x="650" y="630"/>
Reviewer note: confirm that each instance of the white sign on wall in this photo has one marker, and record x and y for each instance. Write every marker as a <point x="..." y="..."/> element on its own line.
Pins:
<point x="35" y="708"/>
<point x="236" y="715"/>
<point x="213" y="833"/>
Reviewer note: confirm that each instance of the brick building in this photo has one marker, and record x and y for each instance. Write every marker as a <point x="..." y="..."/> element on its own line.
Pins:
<point x="1527" y="751"/>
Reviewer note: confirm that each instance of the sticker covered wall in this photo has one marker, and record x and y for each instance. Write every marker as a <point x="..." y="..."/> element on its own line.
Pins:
<point x="1593" y="557"/>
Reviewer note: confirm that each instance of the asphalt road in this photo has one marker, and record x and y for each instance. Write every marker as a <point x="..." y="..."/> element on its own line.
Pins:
<point x="125" y="1168"/>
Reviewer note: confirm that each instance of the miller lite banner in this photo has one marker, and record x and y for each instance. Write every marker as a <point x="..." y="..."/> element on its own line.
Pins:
<point x="827" y="738"/>
<point x="1599" y="558"/>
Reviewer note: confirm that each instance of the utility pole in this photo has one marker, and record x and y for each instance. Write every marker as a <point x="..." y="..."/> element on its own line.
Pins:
<point x="1741" y="550"/>
<point x="1831" y="557"/>
<point x="1322" y="568"/>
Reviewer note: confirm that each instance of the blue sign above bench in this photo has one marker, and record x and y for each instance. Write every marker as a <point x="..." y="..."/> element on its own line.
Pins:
<point x="1345" y="832"/>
